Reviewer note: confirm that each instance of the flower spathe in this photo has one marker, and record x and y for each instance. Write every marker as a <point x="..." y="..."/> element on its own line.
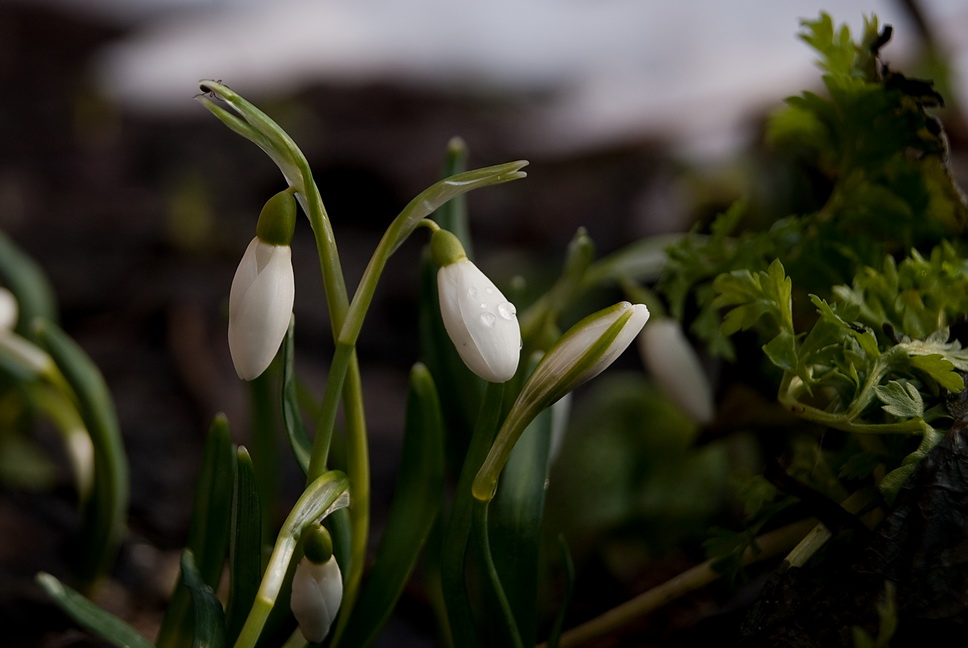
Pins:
<point x="317" y="590"/>
<point x="583" y="352"/>
<point x="260" y="305"/>
<point x="481" y="322"/>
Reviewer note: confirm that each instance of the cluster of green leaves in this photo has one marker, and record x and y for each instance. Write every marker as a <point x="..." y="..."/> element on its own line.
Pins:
<point x="876" y="163"/>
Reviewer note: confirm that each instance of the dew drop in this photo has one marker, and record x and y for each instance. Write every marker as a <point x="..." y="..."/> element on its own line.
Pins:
<point x="506" y="310"/>
<point x="489" y="290"/>
<point x="483" y="305"/>
<point x="472" y="292"/>
<point x="487" y="319"/>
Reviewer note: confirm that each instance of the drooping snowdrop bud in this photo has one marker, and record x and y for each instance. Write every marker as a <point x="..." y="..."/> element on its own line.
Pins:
<point x="263" y="290"/>
<point x="24" y="354"/>
<point x="480" y="321"/>
<point x="8" y="310"/>
<point x="676" y="368"/>
<point x="317" y="587"/>
<point x="582" y="353"/>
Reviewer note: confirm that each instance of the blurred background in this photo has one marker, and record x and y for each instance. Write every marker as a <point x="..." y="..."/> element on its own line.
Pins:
<point x="638" y="118"/>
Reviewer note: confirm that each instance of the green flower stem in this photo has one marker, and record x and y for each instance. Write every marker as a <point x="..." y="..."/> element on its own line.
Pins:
<point x="323" y="496"/>
<point x="344" y="368"/>
<point x="463" y="633"/>
<point x="493" y="579"/>
<point x="766" y="546"/>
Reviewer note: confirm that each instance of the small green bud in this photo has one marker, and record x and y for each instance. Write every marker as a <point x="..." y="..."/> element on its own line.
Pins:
<point x="445" y="248"/>
<point x="277" y="222"/>
<point x="318" y="545"/>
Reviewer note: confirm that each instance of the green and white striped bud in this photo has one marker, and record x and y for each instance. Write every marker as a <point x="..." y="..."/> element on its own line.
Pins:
<point x="582" y="353"/>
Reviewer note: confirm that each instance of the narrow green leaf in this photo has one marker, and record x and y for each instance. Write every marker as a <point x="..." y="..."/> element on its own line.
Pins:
<point x="415" y="504"/>
<point x="569" y="568"/>
<point x="211" y="510"/>
<point x="90" y="616"/>
<point x="452" y="215"/>
<point x="291" y="415"/>
<point x="245" y="548"/>
<point x="26" y="280"/>
<point x="452" y="562"/>
<point x="516" y="520"/>
<point x="208" y="534"/>
<point x="104" y="512"/>
<point x="209" y="619"/>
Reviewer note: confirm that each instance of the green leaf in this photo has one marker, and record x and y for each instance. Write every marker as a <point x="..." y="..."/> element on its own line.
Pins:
<point x="291" y="414"/>
<point x="245" y="548"/>
<point x="516" y="522"/>
<point x="209" y="619"/>
<point x="452" y="215"/>
<point x="104" y="512"/>
<point x="558" y="624"/>
<point x="26" y="280"/>
<point x="416" y="500"/>
<point x="90" y="616"/>
<point x="208" y="533"/>
<point x="782" y="351"/>
<point x="753" y="296"/>
<point x="901" y="399"/>
<point x="940" y="369"/>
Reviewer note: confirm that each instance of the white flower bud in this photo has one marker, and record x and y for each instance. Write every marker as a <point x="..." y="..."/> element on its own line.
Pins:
<point x="260" y="305"/>
<point x="317" y="590"/>
<point x="675" y="366"/>
<point x="480" y="321"/>
<point x="8" y="310"/>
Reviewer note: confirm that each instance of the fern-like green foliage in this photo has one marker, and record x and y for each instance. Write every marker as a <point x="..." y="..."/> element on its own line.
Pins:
<point x="878" y="161"/>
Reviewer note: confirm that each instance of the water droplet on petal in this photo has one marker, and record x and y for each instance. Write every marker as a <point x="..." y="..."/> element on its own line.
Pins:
<point x="506" y="310"/>
<point x="472" y="292"/>
<point x="487" y="319"/>
<point x="483" y="305"/>
<point x="489" y="290"/>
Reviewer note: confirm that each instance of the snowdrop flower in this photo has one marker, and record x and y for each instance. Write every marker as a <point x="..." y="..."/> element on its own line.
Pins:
<point x="263" y="290"/>
<point x="317" y="588"/>
<point x="582" y="353"/>
<point x="676" y="368"/>
<point x="480" y="321"/>
<point x="22" y="352"/>
<point x="9" y="310"/>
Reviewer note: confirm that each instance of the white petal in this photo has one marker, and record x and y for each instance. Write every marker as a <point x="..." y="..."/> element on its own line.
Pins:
<point x="480" y="321"/>
<point x="676" y="368"/>
<point x="260" y="306"/>
<point x="317" y="591"/>
<point x="245" y="274"/>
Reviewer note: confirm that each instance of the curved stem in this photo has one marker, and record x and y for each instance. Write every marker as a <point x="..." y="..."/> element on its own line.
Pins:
<point x="791" y="388"/>
<point x="484" y="543"/>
